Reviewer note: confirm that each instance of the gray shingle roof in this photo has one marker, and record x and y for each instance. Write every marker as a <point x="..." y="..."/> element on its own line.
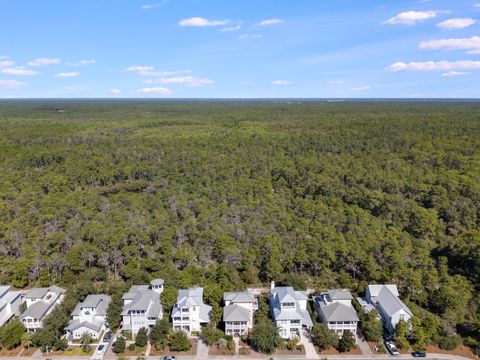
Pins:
<point x="99" y="302"/>
<point x="287" y="294"/>
<point x="156" y="282"/>
<point x="339" y="294"/>
<point x="142" y="299"/>
<point x="391" y="303"/>
<point x="235" y="312"/>
<point x="75" y="324"/>
<point x="338" y="312"/>
<point x="37" y="310"/>
<point x="238" y="297"/>
<point x="36" y="293"/>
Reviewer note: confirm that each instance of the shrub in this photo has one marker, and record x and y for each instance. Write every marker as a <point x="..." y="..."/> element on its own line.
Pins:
<point x="244" y="350"/>
<point x="132" y="347"/>
<point x="179" y="342"/>
<point x="119" y="345"/>
<point x="346" y="342"/>
<point x="142" y="337"/>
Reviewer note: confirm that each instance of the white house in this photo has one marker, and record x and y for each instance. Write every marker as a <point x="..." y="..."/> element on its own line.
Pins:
<point x="189" y="312"/>
<point x="335" y="309"/>
<point x="40" y="302"/>
<point x="289" y="311"/>
<point x="142" y="306"/>
<point x="89" y="316"/>
<point x="387" y="301"/>
<point x="10" y="302"/>
<point x="238" y="312"/>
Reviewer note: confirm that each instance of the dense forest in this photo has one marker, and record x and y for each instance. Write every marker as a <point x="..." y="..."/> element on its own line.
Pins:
<point x="235" y="194"/>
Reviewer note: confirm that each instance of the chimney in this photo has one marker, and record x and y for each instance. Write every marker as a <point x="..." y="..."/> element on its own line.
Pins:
<point x="272" y="285"/>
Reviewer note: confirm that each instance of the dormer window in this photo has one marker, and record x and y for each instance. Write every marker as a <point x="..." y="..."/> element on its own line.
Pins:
<point x="288" y="305"/>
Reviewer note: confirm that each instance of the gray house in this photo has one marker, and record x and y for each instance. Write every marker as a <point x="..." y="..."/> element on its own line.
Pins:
<point x="335" y="309"/>
<point x="238" y="312"/>
<point x="387" y="301"/>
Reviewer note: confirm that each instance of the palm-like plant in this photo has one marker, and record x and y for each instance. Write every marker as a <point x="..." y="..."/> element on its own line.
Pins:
<point x="27" y="340"/>
<point x="85" y="340"/>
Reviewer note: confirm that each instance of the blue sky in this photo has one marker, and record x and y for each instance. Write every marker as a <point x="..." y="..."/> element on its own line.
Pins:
<point x="239" y="48"/>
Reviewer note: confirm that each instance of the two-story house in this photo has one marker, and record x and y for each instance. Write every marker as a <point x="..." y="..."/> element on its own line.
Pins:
<point x="238" y="312"/>
<point x="189" y="312"/>
<point x="10" y="302"/>
<point x="289" y="311"/>
<point x="141" y="307"/>
<point x="40" y="302"/>
<point x="387" y="301"/>
<point x="335" y="309"/>
<point x="89" y="316"/>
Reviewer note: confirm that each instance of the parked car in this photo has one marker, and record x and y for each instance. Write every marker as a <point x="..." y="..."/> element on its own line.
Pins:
<point x="101" y="349"/>
<point x="419" y="354"/>
<point x="391" y="348"/>
<point x="168" y="357"/>
<point x="107" y="337"/>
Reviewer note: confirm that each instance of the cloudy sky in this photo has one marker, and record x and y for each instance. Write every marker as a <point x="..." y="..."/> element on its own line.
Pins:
<point x="239" y="48"/>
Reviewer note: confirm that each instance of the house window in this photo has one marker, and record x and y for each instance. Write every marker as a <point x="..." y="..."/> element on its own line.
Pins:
<point x="402" y="316"/>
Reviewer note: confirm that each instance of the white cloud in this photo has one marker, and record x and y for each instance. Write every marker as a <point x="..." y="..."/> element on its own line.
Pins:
<point x="6" y="63"/>
<point x="44" y="62"/>
<point x="154" y="91"/>
<point x="150" y="71"/>
<point x="455" y="73"/>
<point x="281" y="82"/>
<point x="336" y="82"/>
<point x="11" y="84"/>
<point x="269" y="22"/>
<point x="476" y="6"/>
<point x="115" y="91"/>
<point x="202" y="22"/>
<point x="472" y="45"/>
<point x="249" y="36"/>
<point x="82" y="62"/>
<point x="67" y="75"/>
<point x="75" y="88"/>
<point x="153" y="6"/>
<point x="231" y="28"/>
<point x="362" y="88"/>
<point x="184" y="80"/>
<point x="457" y="23"/>
<point x="434" y="66"/>
<point x="411" y="17"/>
<point x="140" y="68"/>
<point x="19" y="70"/>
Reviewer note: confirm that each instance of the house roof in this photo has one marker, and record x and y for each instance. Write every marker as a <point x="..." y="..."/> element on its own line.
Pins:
<point x="39" y="293"/>
<point x="4" y="289"/>
<point x="287" y="294"/>
<point x="204" y="315"/>
<point x="98" y="302"/>
<point x="339" y="294"/>
<point x="190" y="297"/>
<point x="391" y="303"/>
<point x="142" y="299"/>
<point x="37" y="310"/>
<point x="294" y="314"/>
<point x="75" y="324"/>
<point x="367" y="307"/>
<point x="155" y="310"/>
<point x="238" y="297"/>
<point x="375" y="290"/>
<point x="156" y="282"/>
<point x="337" y="311"/>
<point x="235" y="312"/>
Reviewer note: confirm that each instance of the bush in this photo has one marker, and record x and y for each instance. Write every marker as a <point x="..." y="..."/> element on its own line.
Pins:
<point x="142" y="337"/>
<point x="323" y="337"/>
<point x="179" y="342"/>
<point x="293" y="343"/>
<point x="244" y="350"/>
<point x="211" y="335"/>
<point x="119" y="345"/>
<point x="346" y="342"/>
<point x="450" y="342"/>
<point x="132" y="347"/>
<point x="264" y="336"/>
<point x="127" y="334"/>
<point x="11" y="334"/>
